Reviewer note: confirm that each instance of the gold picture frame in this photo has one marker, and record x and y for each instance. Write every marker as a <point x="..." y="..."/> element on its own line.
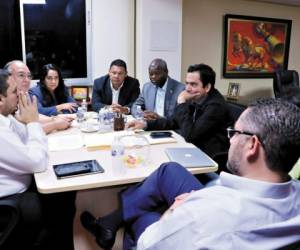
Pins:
<point x="80" y="92"/>
<point x="233" y="91"/>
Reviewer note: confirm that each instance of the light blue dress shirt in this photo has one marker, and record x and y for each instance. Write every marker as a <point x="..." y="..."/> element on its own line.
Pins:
<point x="160" y="99"/>
<point x="236" y="213"/>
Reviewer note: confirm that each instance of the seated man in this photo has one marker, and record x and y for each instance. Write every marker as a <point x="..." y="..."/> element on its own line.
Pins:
<point x="257" y="204"/>
<point x="116" y="89"/>
<point x="22" y="77"/>
<point x="201" y="115"/>
<point x="24" y="151"/>
<point x="159" y="96"/>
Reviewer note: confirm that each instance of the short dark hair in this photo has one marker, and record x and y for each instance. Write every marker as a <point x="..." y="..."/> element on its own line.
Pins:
<point x="119" y="63"/>
<point x="159" y="64"/>
<point x="207" y="74"/>
<point x="4" y="74"/>
<point x="277" y="124"/>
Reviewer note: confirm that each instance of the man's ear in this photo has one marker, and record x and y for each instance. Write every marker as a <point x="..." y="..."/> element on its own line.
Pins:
<point x="1" y="100"/>
<point x="207" y="87"/>
<point x="253" y="146"/>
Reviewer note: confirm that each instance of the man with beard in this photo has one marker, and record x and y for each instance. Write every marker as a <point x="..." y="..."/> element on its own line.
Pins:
<point x="201" y="115"/>
<point x="257" y="204"/>
<point x="159" y="96"/>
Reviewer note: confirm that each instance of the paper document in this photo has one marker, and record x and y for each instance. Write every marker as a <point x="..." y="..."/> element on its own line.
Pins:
<point x="102" y="141"/>
<point x="65" y="142"/>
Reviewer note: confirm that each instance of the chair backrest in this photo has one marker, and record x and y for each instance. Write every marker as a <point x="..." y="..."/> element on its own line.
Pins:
<point x="234" y="112"/>
<point x="9" y="217"/>
<point x="284" y="79"/>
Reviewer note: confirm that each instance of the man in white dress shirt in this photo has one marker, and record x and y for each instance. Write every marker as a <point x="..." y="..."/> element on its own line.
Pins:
<point x="45" y="220"/>
<point x="23" y="152"/>
<point x="255" y="207"/>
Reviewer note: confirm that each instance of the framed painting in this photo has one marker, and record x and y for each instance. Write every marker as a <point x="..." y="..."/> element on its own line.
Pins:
<point x="255" y="47"/>
<point x="80" y="92"/>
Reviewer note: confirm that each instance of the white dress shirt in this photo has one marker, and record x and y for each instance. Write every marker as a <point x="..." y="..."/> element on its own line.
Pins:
<point x="23" y="151"/>
<point x="160" y="99"/>
<point x="115" y="93"/>
<point x="236" y="213"/>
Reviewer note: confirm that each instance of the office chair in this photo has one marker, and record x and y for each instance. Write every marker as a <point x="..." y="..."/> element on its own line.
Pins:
<point x="9" y="217"/>
<point x="234" y="112"/>
<point x="283" y="79"/>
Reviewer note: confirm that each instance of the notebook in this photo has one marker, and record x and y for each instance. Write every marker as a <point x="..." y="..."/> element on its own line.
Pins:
<point x="190" y="157"/>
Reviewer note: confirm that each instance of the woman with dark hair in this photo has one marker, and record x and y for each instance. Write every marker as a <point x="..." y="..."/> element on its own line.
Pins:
<point x="52" y="94"/>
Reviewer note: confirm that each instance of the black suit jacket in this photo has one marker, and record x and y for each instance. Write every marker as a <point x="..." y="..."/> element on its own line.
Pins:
<point x="102" y="94"/>
<point x="203" y="124"/>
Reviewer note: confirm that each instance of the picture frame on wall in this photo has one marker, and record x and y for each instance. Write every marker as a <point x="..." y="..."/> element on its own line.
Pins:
<point x="255" y="47"/>
<point x="233" y="91"/>
<point x="80" y="92"/>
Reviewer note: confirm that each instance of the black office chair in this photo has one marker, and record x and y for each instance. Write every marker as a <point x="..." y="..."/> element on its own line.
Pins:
<point x="234" y="112"/>
<point x="9" y="217"/>
<point x="284" y="79"/>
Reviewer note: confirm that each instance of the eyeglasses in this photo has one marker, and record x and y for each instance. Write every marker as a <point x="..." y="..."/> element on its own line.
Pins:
<point x="23" y="76"/>
<point x="231" y="132"/>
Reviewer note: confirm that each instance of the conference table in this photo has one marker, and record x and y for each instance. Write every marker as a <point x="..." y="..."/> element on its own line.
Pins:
<point x="47" y="182"/>
<point x="98" y="192"/>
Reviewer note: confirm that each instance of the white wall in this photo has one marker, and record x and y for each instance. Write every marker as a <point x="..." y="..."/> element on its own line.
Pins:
<point x="203" y="38"/>
<point x="155" y="19"/>
<point x="112" y="34"/>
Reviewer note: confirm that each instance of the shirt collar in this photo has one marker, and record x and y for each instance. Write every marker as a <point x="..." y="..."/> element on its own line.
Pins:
<point x="5" y="120"/>
<point x="258" y="188"/>
<point x="112" y="88"/>
<point x="164" y="88"/>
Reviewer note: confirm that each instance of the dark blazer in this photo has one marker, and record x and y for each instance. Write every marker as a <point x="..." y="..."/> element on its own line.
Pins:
<point x="102" y="93"/>
<point x="203" y="124"/>
<point x="148" y="96"/>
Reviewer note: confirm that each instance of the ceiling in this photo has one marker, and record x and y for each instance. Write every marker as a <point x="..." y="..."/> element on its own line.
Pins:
<point x="284" y="2"/>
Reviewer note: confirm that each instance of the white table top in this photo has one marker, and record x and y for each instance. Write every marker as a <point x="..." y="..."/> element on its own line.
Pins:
<point x="47" y="181"/>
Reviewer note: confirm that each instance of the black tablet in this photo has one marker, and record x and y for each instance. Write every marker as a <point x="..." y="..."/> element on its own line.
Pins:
<point x="77" y="168"/>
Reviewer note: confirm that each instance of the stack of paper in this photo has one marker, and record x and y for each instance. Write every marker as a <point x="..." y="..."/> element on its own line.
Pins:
<point x="102" y="141"/>
<point x="65" y="142"/>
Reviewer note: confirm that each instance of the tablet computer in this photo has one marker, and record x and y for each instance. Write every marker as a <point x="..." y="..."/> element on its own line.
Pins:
<point x="77" y="168"/>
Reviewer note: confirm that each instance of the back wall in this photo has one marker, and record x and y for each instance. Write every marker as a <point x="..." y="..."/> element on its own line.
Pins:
<point x="202" y="39"/>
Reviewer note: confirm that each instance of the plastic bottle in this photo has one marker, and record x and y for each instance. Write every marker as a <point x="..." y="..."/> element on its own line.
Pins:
<point x="139" y="115"/>
<point x="117" y="154"/>
<point x="84" y="106"/>
<point x="80" y="115"/>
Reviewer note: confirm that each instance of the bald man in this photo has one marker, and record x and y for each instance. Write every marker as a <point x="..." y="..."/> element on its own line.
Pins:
<point x="159" y="96"/>
<point x="22" y="76"/>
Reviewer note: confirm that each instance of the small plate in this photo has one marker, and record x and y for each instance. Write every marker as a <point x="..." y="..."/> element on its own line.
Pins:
<point x="89" y="129"/>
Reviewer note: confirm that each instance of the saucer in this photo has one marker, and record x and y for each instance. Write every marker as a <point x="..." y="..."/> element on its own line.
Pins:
<point x="89" y="129"/>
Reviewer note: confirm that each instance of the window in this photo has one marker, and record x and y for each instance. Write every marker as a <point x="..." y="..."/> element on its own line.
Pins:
<point x="57" y="31"/>
<point x="10" y="32"/>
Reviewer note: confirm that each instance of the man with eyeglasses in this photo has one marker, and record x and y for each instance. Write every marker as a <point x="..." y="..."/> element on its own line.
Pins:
<point x="22" y="76"/>
<point x="255" y="207"/>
